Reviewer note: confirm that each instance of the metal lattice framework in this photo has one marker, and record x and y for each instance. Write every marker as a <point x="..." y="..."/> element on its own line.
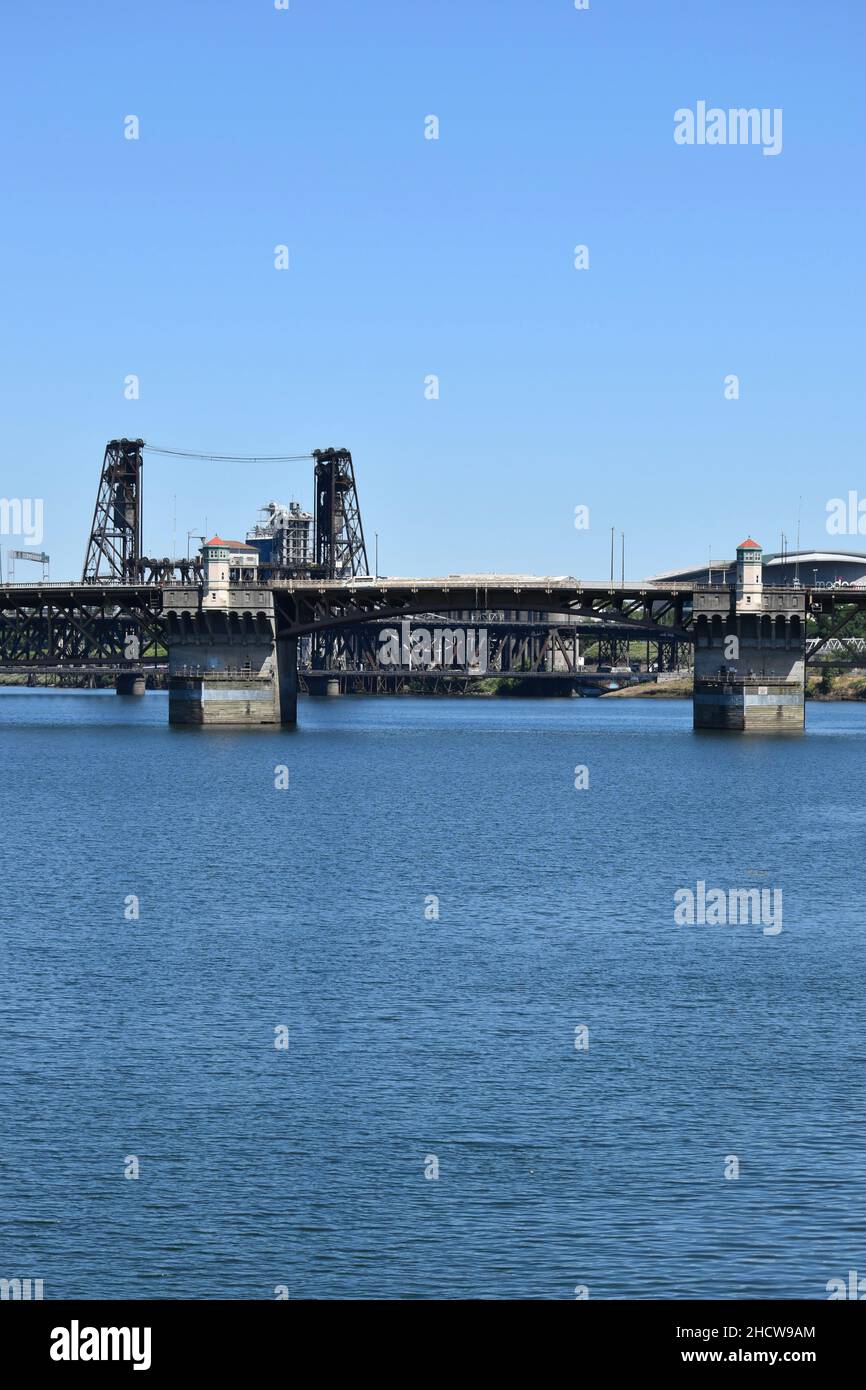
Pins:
<point x="309" y="606"/>
<point x="64" y="628"/>
<point x="339" y="544"/>
<point x="114" y="546"/>
<point x="837" y="644"/>
<point x="535" y="649"/>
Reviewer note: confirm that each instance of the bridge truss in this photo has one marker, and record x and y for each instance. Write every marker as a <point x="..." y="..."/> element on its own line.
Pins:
<point x="63" y="629"/>
<point x="511" y="647"/>
<point x="849" y="646"/>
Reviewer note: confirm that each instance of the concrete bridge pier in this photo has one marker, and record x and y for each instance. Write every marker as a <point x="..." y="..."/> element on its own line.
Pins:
<point x="223" y="660"/>
<point x="286" y="652"/>
<point x="227" y="665"/>
<point x="130" y="683"/>
<point x="750" y="653"/>
<point x="319" y="684"/>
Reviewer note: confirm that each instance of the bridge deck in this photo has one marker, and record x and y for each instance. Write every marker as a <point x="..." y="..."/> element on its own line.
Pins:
<point x="510" y="586"/>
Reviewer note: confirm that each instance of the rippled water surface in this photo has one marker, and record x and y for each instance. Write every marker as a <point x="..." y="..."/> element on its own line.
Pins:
<point x="411" y="1039"/>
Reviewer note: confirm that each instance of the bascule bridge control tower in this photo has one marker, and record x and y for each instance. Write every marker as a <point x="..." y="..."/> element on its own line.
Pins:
<point x="750" y="650"/>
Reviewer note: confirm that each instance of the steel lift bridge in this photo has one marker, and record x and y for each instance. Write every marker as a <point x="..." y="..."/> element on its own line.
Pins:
<point x="110" y="622"/>
<point x="113" y="621"/>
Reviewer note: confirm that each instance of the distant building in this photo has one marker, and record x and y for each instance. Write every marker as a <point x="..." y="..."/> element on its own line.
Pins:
<point x="810" y="568"/>
<point x="283" y="537"/>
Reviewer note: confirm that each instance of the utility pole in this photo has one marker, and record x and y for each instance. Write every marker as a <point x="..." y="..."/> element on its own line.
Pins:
<point x="612" y="530"/>
<point x="622" y="570"/>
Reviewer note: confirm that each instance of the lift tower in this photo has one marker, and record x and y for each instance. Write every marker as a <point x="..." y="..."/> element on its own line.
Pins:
<point x="340" y="552"/>
<point x="114" y="546"/>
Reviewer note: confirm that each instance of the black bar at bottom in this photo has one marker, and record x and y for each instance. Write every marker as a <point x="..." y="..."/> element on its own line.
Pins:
<point x="163" y="1339"/>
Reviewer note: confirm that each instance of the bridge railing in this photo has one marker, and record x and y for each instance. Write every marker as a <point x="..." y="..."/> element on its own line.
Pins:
<point x="85" y="584"/>
<point x="227" y="673"/>
<point x="732" y="679"/>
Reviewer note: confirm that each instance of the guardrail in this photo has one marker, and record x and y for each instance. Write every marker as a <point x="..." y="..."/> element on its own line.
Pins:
<point x="231" y="673"/>
<point x="747" y="680"/>
<point x="452" y="582"/>
<point x="80" y="584"/>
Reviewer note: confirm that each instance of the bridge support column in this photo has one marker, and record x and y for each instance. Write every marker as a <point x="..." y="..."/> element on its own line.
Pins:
<point x="222" y="657"/>
<point x="130" y="683"/>
<point x="750" y="654"/>
<point x="318" y="684"/>
<point x="287" y="679"/>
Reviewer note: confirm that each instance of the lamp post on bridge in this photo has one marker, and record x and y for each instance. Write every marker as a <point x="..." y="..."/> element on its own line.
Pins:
<point x="189" y="536"/>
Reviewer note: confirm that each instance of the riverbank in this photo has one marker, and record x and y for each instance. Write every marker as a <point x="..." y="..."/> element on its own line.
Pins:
<point x="825" y="685"/>
<point x="842" y="685"/>
<point x="648" y="690"/>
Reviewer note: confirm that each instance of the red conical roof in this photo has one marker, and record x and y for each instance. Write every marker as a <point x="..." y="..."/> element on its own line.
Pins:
<point x="229" y="545"/>
<point x="748" y="544"/>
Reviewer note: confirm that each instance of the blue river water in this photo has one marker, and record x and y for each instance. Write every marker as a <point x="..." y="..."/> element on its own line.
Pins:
<point x="419" y="1044"/>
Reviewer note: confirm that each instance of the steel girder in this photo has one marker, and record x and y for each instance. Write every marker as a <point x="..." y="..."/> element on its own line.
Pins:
<point x="511" y="648"/>
<point x="80" y="627"/>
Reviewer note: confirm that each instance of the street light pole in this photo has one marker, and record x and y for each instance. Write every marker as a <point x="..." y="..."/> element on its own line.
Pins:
<point x="189" y="534"/>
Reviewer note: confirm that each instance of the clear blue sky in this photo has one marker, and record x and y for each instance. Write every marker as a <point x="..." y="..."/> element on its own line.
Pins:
<point x="408" y="257"/>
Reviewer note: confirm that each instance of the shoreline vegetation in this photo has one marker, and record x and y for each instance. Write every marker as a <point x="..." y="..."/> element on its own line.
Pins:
<point x="820" y="685"/>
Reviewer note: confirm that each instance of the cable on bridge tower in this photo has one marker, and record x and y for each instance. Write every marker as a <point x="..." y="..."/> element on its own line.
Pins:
<point x="228" y="458"/>
<point x="114" y="549"/>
